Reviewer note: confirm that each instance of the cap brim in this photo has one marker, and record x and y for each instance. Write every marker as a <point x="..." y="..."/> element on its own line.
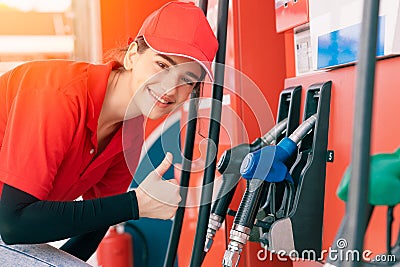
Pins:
<point x="175" y="48"/>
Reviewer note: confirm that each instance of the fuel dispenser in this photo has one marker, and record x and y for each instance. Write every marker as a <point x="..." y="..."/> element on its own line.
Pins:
<point x="371" y="181"/>
<point x="231" y="159"/>
<point x="305" y="219"/>
<point x="299" y="227"/>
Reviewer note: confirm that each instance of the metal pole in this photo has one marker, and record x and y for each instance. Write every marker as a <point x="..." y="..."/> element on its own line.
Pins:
<point x="184" y="184"/>
<point x="214" y="130"/>
<point x="185" y="173"/>
<point x="358" y="191"/>
<point x="203" y="4"/>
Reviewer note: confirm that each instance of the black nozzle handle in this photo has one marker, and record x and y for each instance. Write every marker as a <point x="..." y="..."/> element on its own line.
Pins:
<point x="225" y="194"/>
<point x="231" y="159"/>
<point x="270" y="199"/>
<point x="250" y="203"/>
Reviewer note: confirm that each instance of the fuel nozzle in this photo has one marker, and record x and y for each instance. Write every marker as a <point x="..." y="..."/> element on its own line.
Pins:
<point x="229" y="166"/>
<point x="235" y="247"/>
<point x="261" y="167"/>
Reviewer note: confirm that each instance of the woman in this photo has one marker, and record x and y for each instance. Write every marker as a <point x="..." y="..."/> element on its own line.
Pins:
<point x="61" y="133"/>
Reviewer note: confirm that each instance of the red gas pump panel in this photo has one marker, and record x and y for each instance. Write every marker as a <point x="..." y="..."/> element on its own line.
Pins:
<point x="290" y="13"/>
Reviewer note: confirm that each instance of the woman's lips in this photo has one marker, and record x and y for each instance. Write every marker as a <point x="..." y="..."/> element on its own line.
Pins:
<point x="161" y="101"/>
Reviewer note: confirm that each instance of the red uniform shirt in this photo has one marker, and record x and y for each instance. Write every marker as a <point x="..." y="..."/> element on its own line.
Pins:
<point x="49" y="112"/>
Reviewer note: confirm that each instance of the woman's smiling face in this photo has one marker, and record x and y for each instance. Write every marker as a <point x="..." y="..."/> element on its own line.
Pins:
<point x="159" y="83"/>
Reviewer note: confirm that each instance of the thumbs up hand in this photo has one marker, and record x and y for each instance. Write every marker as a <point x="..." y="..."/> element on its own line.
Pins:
<point x="158" y="198"/>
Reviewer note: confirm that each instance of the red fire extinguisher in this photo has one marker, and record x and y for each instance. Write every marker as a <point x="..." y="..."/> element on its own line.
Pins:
<point x="115" y="250"/>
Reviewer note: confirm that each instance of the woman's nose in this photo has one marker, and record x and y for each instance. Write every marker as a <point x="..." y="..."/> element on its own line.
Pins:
<point x="170" y="82"/>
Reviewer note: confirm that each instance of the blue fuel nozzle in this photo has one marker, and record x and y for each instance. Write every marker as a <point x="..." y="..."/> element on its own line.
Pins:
<point x="268" y="163"/>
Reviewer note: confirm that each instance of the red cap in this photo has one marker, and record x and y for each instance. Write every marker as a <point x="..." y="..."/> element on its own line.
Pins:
<point x="181" y="29"/>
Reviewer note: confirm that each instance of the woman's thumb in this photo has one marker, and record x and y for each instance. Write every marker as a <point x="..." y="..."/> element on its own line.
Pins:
<point x="164" y="165"/>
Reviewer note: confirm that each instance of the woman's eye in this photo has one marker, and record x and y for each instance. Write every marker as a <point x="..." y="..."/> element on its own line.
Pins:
<point x="162" y="65"/>
<point x="188" y="81"/>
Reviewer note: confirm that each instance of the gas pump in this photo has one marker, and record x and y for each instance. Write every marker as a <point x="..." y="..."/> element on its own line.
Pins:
<point x="372" y="181"/>
<point x="267" y="167"/>
<point x="306" y="217"/>
<point x="230" y="161"/>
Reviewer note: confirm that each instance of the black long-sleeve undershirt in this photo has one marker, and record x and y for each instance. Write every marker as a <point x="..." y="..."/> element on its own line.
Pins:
<point x="24" y="219"/>
<point x="83" y="246"/>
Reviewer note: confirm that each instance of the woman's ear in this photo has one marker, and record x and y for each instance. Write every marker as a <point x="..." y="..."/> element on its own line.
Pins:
<point x="130" y="55"/>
